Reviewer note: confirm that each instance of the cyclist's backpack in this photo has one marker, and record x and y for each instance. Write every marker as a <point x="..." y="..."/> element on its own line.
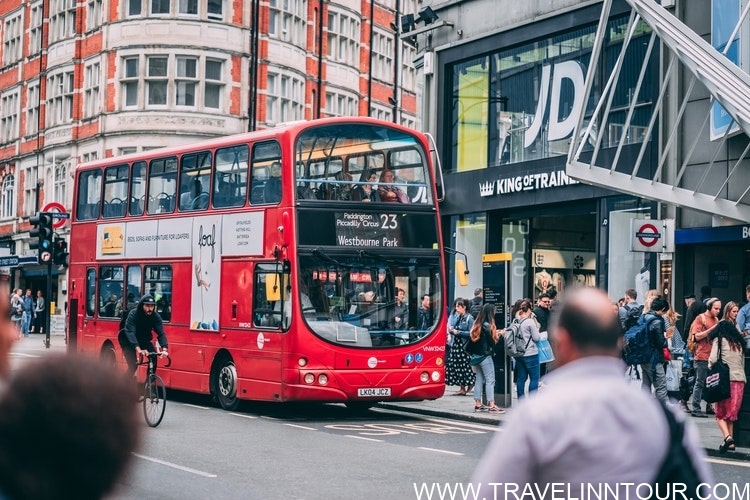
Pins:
<point x="633" y="314"/>
<point x="638" y="349"/>
<point x="515" y="347"/>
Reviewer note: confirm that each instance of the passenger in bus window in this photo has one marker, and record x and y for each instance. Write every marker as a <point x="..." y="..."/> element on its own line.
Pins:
<point x="400" y="311"/>
<point x="342" y="191"/>
<point x="272" y="188"/>
<point x="368" y="191"/>
<point x="189" y="197"/>
<point x="108" y="309"/>
<point x="388" y="192"/>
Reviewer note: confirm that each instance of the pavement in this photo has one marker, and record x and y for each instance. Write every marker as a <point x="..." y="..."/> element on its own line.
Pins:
<point x="462" y="408"/>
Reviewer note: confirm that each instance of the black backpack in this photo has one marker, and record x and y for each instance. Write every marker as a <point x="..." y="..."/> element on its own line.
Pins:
<point x="633" y="314"/>
<point x="677" y="467"/>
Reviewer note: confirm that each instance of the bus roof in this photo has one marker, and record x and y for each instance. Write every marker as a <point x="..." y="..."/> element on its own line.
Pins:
<point x="221" y="141"/>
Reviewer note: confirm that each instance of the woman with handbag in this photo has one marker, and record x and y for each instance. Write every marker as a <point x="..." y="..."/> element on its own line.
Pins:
<point x="482" y="340"/>
<point x="728" y="346"/>
<point x="457" y="369"/>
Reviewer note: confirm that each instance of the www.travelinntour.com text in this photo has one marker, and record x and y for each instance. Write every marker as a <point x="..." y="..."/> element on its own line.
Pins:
<point x="585" y="491"/>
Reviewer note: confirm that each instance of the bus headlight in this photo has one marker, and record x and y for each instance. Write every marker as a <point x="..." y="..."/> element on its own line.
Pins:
<point x="309" y="378"/>
<point x="302" y="362"/>
<point x="322" y="379"/>
<point x="424" y="377"/>
<point x="435" y="376"/>
<point x="439" y="361"/>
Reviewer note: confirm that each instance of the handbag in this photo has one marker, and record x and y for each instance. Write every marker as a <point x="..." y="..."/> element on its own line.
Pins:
<point x="717" y="381"/>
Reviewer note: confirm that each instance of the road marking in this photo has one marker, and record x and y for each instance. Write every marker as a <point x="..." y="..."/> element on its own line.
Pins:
<point x="440" y="451"/>
<point x="484" y="427"/>
<point x="302" y="427"/>
<point x="728" y="462"/>
<point x="175" y="466"/>
<point x="243" y="416"/>
<point x="24" y="355"/>
<point x="364" y="438"/>
<point x="200" y="407"/>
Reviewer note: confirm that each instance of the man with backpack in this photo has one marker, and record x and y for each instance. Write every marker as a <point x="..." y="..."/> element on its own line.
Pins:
<point x="631" y="310"/>
<point x="645" y="344"/>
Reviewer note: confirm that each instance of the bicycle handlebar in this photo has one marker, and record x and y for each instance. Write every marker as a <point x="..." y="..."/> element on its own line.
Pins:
<point x="155" y="355"/>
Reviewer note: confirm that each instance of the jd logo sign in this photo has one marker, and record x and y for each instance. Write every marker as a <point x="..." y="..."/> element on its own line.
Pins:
<point x="568" y="70"/>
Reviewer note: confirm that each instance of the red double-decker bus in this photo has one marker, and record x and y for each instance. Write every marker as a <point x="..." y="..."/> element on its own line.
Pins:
<point x="288" y="264"/>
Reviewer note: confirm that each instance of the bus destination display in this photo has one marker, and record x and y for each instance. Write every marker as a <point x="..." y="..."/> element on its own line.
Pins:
<point x="356" y="229"/>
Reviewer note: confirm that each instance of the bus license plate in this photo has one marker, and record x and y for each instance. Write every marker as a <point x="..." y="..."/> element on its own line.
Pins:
<point x="373" y="392"/>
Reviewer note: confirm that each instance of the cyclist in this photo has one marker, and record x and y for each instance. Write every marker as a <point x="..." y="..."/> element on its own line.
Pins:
<point x="136" y="337"/>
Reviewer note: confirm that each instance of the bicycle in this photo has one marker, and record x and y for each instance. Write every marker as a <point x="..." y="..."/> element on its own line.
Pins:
<point x="154" y="390"/>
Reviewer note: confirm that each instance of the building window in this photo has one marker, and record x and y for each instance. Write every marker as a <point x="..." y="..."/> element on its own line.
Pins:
<point x="189" y="7"/>
<point x="9" y="111"/>
<point x="286" y="20"/>
<point x="61" y="184"/>
<point x="214" y="83"/>
<point x="92" y="105"/>
<point x="93" y="14"/>
<point x="382" y="56"/>
<point x="87" y="157"/>
<point x="381" y="113"/>
<point x="156" y="80"/>
<point x="343" y="38"/>
<point x="178" y="72"/>
<point x="340" y="104"/>
<point x="62" y="19"/>
<point x="12" y="30"/>
<point x="160" y="6"/>
<point x="60" y="98"/>
<point x="32" y="109"/>
<point x="285" y="98"/>
<point x="186" y="81"/>
<point x="8" y="198"/>
<point x="35" y="28"/>
<point x="408" y="73"/>
<point x="134" y="8"/>
<point x="29" y="190"/>
<point x="215" y="10"/>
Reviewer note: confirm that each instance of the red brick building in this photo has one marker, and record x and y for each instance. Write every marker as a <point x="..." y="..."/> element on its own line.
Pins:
<point x="98" y="78"/>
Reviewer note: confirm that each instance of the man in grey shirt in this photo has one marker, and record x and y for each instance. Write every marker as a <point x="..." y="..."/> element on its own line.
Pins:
<point x="590" y="425"/>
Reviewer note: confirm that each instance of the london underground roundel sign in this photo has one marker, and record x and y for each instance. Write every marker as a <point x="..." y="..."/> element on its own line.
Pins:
<point x="648" y="235"/>
<point x="59" y="208"/>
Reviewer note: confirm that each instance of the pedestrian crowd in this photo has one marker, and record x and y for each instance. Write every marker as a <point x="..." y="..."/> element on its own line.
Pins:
<point x="27" y="312"/>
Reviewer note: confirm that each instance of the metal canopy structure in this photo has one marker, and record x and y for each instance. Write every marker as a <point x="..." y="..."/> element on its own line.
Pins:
<point x="692" y="171"/>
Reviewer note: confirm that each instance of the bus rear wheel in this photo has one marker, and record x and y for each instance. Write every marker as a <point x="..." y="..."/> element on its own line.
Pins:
<point x="226" y="384"/>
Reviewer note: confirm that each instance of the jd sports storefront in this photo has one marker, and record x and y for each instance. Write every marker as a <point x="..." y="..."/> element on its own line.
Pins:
<point x="507" y="115"/>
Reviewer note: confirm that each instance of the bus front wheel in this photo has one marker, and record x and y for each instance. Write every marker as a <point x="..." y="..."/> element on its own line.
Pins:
<point x="226" y="384"/>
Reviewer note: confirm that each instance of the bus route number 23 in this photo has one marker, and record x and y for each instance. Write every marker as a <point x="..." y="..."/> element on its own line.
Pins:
<point x="388" y="221"/>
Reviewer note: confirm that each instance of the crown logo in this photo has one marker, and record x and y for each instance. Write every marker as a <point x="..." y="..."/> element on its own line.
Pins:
<point x="487" y="188"/>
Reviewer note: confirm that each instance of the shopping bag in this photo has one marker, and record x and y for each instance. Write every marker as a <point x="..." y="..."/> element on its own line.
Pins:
<point x="545" y="351"/>
<point x="674" y="372"/>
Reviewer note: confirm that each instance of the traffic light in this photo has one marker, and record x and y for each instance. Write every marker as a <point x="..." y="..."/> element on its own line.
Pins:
<point x="41" y="236"/>
<point x="60" y="253"/>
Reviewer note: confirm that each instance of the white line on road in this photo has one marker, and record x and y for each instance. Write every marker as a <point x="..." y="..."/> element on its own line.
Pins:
<point x="243" y="416"/>
<point x="728" y="462"/>
<point x="200" y="407"/>
<point x="364" y="438"/>
<point x="24" y="355"/>
<point x="440" y="451"/>
<point x="484" y="427"/>
<point x="302" y="427"/>
<point x="175" y="466"/>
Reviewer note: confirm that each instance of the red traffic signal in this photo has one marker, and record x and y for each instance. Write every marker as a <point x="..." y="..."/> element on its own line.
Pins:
<point x="60" y="252"/>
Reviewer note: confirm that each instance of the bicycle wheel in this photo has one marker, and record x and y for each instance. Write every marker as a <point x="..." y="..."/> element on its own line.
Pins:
<point x="155" y="400"/>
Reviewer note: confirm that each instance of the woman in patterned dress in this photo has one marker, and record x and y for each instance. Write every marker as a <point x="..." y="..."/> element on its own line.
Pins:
<point x="458" y="370"/>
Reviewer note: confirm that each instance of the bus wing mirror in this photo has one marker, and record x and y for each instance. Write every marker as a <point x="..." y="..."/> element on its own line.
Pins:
<point x="462" y="274"/>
